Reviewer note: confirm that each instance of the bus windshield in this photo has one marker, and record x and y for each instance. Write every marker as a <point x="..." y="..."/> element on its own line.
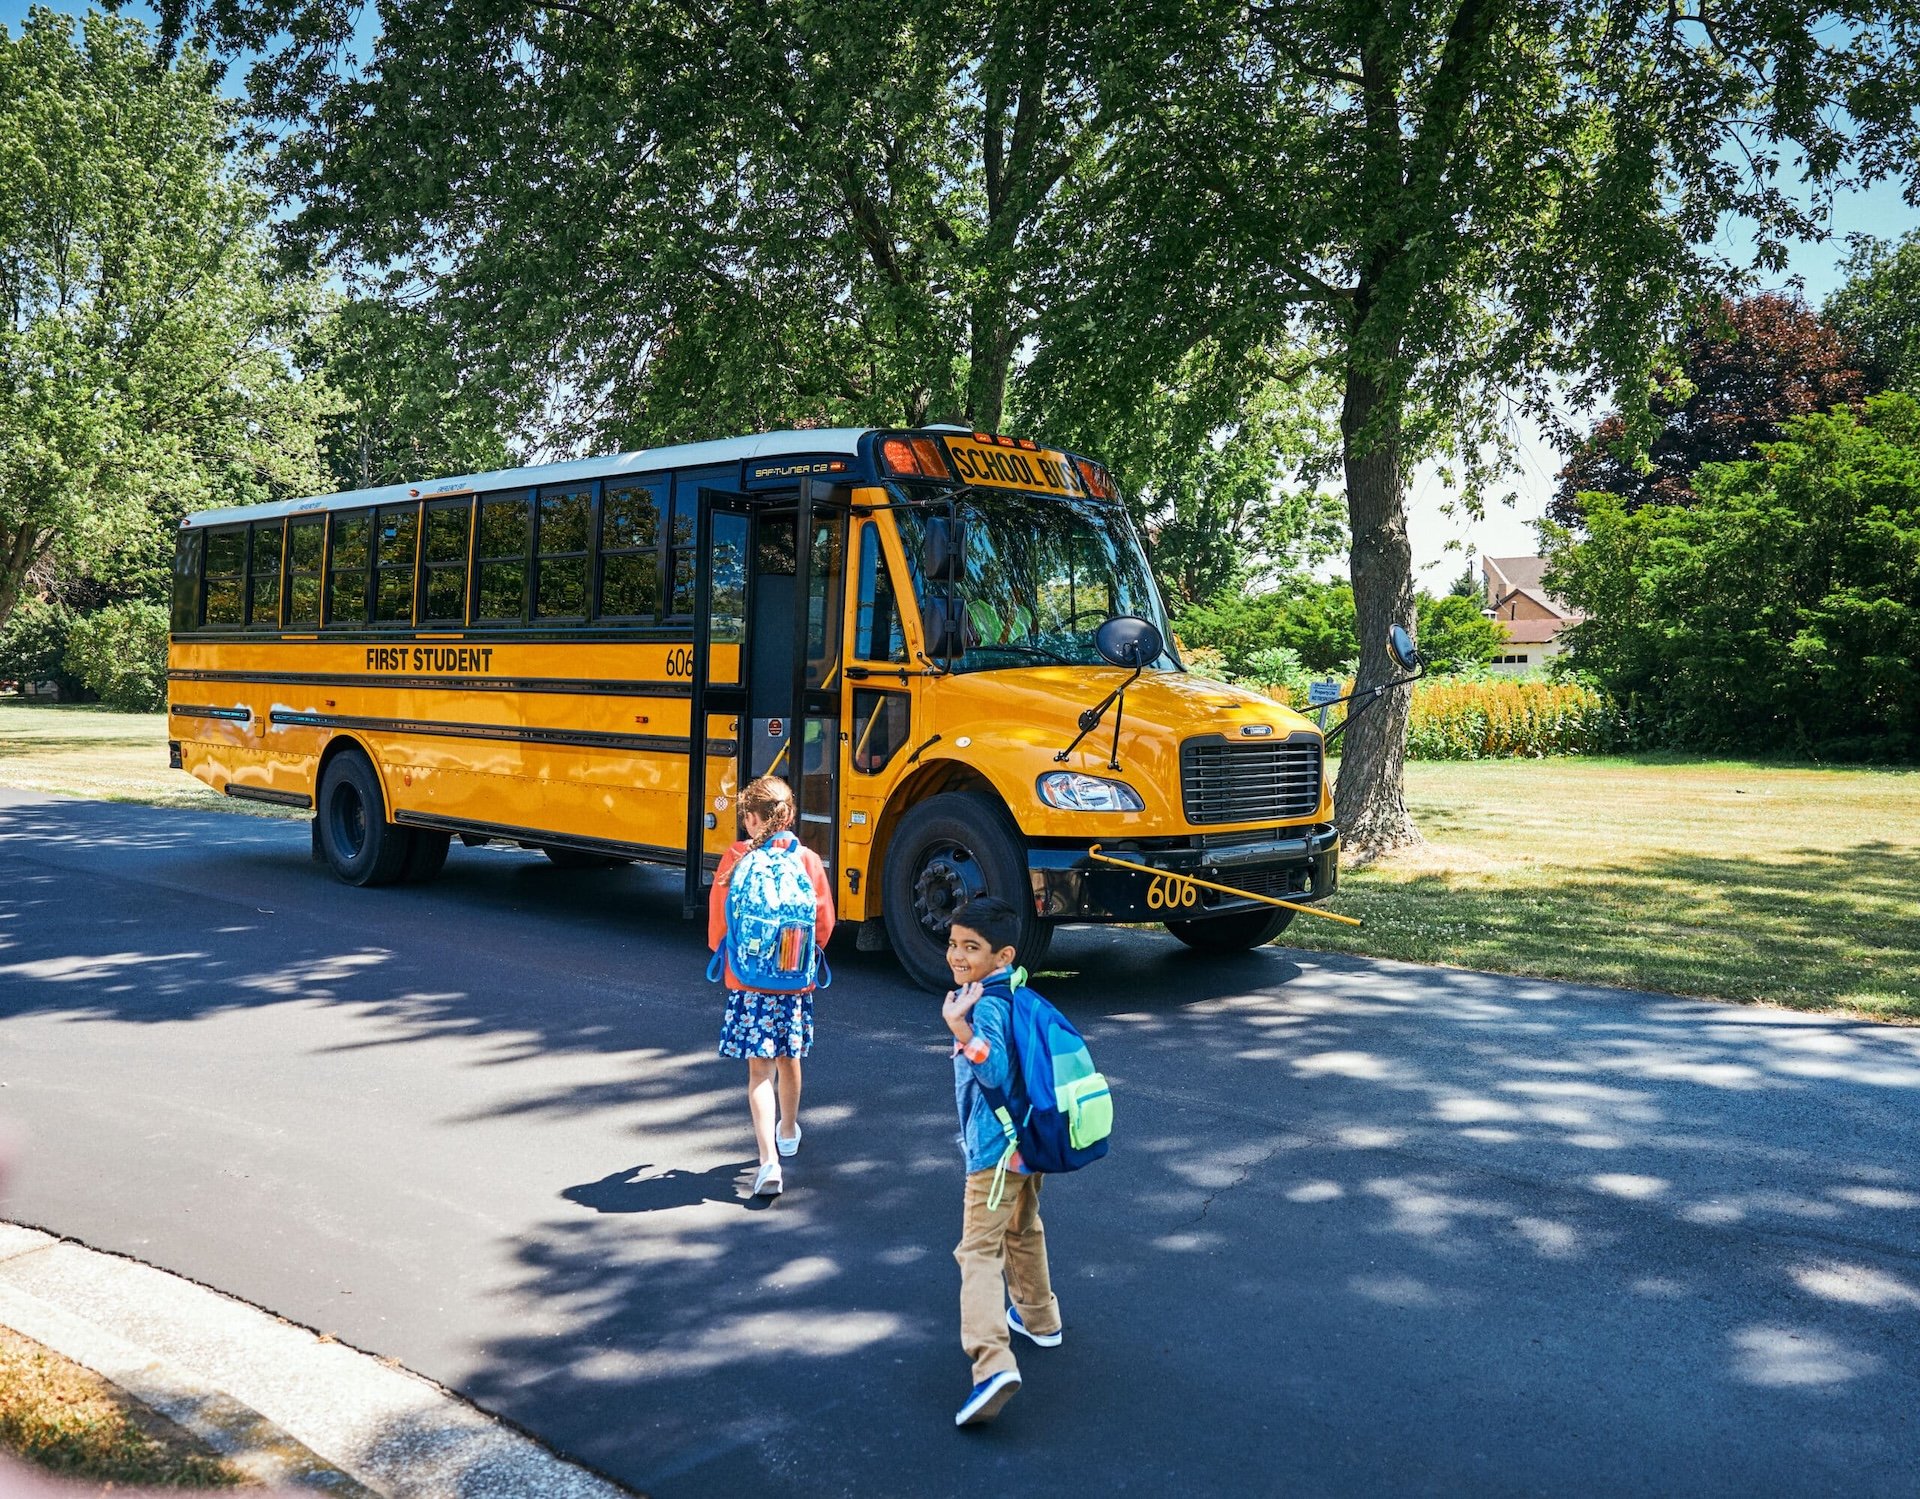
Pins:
<point x="1041" y="575"/>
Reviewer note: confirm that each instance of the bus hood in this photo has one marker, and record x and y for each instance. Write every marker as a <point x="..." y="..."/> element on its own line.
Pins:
<point x="1012" y="724"/>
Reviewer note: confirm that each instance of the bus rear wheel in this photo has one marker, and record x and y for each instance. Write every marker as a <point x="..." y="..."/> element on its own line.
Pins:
<point x="947" y="851"/>
<point x="1235" y="933"/>
<point x="362" y="847"/>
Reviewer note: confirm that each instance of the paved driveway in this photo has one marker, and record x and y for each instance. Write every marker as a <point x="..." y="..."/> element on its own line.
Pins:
<point x="1368" y="1228"/>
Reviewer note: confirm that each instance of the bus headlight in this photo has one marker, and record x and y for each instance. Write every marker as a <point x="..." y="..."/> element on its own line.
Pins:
<point x="1071" y="791"/>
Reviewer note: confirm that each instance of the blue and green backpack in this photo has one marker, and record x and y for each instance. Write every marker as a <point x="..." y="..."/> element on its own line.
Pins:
<point x="1057" y="1110"/>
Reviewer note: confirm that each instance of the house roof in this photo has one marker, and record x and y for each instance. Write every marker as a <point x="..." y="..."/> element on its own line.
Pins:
<point x="1541" y="597"/>
<point x="1505" y="574"/>
<point x="1533" y="631"/>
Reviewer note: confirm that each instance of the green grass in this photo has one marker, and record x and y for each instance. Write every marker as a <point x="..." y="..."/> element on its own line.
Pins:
<point x="1787" y="885"/>
<point x="94" y="752"/>
<point x="68" y="1420"/>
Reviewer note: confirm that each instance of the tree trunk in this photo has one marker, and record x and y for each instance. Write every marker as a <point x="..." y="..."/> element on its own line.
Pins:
<point x="17" y="555"/>
<point x="1370" y="801"/>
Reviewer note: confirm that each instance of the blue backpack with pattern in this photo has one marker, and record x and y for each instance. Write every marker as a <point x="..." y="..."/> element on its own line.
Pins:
<point x="770" y="922"/>
<point x="1057" y="1110"/>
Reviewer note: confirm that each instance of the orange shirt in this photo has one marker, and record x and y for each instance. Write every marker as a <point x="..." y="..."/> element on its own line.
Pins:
<point x="717" y="901"/>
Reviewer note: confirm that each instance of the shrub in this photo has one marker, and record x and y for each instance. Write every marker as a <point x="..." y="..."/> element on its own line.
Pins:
<point x="121" y="653"/>
<point x="33" y="647"/>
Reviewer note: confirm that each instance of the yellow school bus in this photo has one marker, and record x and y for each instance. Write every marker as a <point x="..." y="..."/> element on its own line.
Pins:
<point x="949" y="642"/>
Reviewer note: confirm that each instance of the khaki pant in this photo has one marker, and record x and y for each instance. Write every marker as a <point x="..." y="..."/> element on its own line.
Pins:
<point x="1011" y="1242"/>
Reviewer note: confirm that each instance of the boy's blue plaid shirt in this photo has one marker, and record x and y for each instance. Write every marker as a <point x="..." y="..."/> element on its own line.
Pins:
<point x="986" y="1060"/>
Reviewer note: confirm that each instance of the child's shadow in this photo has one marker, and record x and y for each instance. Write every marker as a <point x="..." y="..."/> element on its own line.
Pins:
<point x="631" y="1191"/>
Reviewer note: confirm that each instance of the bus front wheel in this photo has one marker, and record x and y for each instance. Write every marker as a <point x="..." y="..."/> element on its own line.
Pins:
<point x="362" y="847"/>
<point x="1235" y="933"/>
<point x="947" y="851"/>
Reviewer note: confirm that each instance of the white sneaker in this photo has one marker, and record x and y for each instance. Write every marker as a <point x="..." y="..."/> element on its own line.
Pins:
<point x="768" y="1183"/>
<point x="787" y="1147"/>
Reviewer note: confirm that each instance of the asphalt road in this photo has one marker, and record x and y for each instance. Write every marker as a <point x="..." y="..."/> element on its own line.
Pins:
<point x="1367" y="1228"/>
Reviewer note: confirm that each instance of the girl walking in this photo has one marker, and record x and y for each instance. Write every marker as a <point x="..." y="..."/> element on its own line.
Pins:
<point x="764" y="931"/>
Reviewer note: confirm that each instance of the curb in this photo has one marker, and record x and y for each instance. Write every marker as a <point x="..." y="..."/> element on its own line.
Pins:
<point x="286" y="1406"/>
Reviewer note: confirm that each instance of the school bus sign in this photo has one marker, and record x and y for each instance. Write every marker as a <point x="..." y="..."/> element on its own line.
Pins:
<point x="1042" y="469"/>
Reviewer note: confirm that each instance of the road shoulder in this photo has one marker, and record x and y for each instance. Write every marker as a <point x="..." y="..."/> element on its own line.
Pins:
<point x="287" y="1406"/>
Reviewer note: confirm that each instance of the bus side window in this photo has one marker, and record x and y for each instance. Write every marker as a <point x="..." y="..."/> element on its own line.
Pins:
<point x="561" y="585"/>
<point x="443" y="561"/>
<point x="306" y="549"/>
<point x="226" y="575"/>
<point x="350" y="561"/>
<point x="500" y="558"/>
<point x="263" y="586"/>
<point x="399" y="533"/>
<point x="630" y="550"/>
<point x="680" y="548"/>
<point x="186" y="579"/>
<point x="877" y="632"/>
<point x="879" y="728"/>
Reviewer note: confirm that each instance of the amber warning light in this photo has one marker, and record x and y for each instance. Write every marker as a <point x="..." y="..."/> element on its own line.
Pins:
<point x="913" y="458"/>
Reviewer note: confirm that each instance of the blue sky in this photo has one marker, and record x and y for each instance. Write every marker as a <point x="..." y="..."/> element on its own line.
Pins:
<point x="1507" y="530"/>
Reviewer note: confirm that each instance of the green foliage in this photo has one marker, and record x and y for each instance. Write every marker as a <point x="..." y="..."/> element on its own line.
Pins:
<point x="143" y="325"/>
<point x="404" y="412"/>
<point x="33" y="646"/>
<point x="1452" y="633"/>
<point x="120" y="653"/>
<point x="1877" y="309"/>
<point x="1315" y="621"/>
<point x="1782" y="612"/>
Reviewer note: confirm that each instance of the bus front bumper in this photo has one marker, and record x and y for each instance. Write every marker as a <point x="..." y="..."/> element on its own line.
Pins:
<point x="1300" y="865"/>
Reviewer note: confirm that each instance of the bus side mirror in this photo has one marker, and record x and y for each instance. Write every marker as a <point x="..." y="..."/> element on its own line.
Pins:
<point x="944" y="547"/>
<point x="940" y="626"/>
<point x="1400" y="647"/>
<point x="1128" y="640"/>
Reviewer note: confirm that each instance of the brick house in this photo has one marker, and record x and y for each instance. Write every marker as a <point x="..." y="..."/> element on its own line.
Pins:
<point x="1533" y="617"/>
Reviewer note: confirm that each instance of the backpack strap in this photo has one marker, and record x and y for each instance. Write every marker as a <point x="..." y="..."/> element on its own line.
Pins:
<point x="719" y="964"/>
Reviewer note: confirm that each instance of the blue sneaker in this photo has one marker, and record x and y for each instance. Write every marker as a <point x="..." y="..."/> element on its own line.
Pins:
<point x="987" y="1398"/>
<point x="1044" y="1339"/>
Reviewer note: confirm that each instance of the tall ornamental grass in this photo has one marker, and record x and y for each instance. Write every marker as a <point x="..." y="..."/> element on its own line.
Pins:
<point x="1501" y="718"/>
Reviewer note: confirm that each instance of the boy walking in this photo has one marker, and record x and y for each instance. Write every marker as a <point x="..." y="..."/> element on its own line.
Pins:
<point x="1001" y="1237"/>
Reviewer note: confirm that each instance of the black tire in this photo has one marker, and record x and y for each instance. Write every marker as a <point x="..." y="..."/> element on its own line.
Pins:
<point x="573" y="858"/>
<point x="1237" y="932"/>
<point x="361" y="846"/>
<point x="946" y="851"/>
<point x="426" y="856"/>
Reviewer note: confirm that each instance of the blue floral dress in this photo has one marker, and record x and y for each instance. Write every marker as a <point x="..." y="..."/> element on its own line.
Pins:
<point x="767" y="1025"/>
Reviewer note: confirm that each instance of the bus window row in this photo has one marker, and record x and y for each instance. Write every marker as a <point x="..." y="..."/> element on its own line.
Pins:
<point x="612" y="550"/>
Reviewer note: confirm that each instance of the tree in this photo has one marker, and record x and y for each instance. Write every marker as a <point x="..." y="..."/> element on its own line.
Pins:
<point x="1226" y="470"/>
<point x="666" y="219"/>
<point x="403" y="411"/>
<point x="1782" y="609"/>
<point x="142" y="326"/>
<point x="1315" y="621"/>
<point x="1877" y="309"/>
<point x="1742" y="369"/>
<point x="1469" y="205"/>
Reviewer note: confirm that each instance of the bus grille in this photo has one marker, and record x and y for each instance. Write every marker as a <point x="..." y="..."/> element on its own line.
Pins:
<point x="1225" y="782"/>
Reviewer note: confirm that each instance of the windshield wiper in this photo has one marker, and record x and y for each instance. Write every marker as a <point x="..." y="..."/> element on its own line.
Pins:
<point x="1029" y="650"/>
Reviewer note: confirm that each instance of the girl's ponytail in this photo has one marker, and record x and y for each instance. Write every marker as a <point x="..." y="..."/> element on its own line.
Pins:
<point x="771" y="800"/>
